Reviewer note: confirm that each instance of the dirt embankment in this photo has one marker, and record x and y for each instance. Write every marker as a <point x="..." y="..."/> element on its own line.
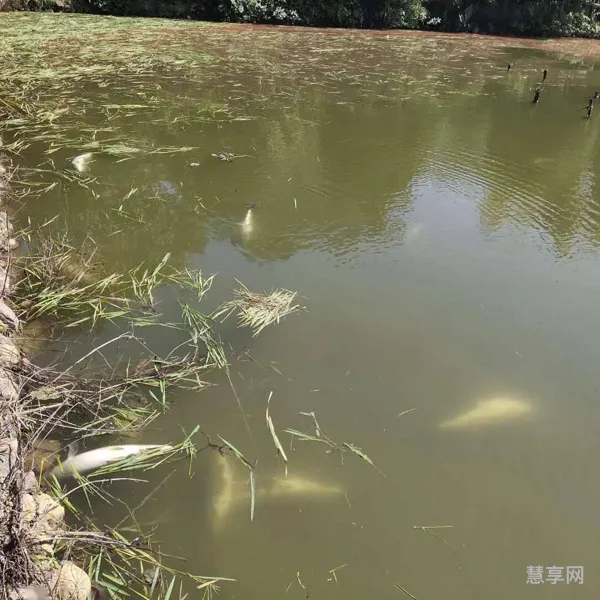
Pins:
<point x="29" y="518"/>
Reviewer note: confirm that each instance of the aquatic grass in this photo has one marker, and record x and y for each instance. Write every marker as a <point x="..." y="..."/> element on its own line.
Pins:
<point x="430" y="529"/>
<point x="399" y="587"/>
<point x="132" y="565"/>
<point x="278" y="446"/>
<point x="143" y="285"/>
<point x="61" y="282"/>
<point x="321" y="438"/>
<point x="49" y="101"/>
<point x="258" y="311"/>
<point x="202" y="330"/>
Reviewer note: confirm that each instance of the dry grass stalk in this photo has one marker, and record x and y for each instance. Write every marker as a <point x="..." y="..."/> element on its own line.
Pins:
<point x="258" y="311"/>
<point x="278" y="446"/>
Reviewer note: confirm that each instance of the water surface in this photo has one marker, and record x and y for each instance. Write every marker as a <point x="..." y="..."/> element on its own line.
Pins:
<point x="443" y="233"/>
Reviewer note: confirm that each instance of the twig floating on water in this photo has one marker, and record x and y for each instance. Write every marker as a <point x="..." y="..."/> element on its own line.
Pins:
<point x="252" y="493"/>
<point x="301" y="584"/>
<point x="332" y="571"/>
<point x="276" y="441"/>
<point x="437" y="535"/>
<point x="407" y="411"/>
<point x="314" y="418"/>
<point x="396" y="585"/>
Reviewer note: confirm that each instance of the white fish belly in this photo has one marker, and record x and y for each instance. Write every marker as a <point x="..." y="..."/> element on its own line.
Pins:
<point x="488" y="412"/>
<point x="94" y="459"/>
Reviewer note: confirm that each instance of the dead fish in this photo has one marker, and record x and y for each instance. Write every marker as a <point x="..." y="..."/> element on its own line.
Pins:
<point x="94" y="459"/>
<point x="166" y="187"/>
<point x="227" y="156"/>
<point x="233" y="491"/>
<point x="413" y="232"/>
<point x="225" y="497"/>
<point x="82" y="162"/>
<point x="489" y="412"/>
<point x="299" y="487"/>
<point x="247" y="226"/>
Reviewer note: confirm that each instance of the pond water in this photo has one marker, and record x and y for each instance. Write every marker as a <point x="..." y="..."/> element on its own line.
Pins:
<point x="444" y="235"/>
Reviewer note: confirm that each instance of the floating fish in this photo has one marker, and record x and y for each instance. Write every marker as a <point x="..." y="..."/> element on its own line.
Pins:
<point x="227" y="156"/>
<point x="94" y="459"/>
<point x="82" y="162"/>
<point x="489" y="412"/>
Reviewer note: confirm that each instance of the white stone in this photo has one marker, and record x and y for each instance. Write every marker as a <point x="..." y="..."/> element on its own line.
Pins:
<point x="72" y="583"/>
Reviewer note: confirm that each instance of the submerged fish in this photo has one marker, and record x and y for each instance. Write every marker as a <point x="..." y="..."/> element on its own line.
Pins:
<point x="82" y="162"/>
<point x="94" y="459"/>
<point x="488" y="412"/>
<point x="299" y="487"/>
<point x="247" y="226"/>
<point x="233" y="490"/>
<point x="224" y="499"/>
<point x="166" y="187"/>
<point x="413" y="232"/>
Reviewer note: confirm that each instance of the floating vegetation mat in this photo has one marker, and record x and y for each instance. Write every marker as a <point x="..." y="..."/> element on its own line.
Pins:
<point x="61" y="73"/>
<point x="258" y="311"/>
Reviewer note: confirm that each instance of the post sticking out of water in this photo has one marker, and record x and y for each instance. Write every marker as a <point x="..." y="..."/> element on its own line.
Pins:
<point x="590" y="108"/>
<point x="545" y="75"/>
<point x="508" y="67"/>
<point x="536" y="97"/>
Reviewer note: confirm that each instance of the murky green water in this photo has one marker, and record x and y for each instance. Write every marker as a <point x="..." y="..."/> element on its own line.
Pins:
<point x="444" y="234"/>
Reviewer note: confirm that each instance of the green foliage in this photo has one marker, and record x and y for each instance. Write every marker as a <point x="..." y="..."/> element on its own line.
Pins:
<point x="324" y="13"/>
<point x="520" y="17"/>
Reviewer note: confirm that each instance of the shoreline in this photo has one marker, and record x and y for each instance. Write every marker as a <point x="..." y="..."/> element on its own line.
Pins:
<point x="513" y="18"/>
<point x="29" y="518"/>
